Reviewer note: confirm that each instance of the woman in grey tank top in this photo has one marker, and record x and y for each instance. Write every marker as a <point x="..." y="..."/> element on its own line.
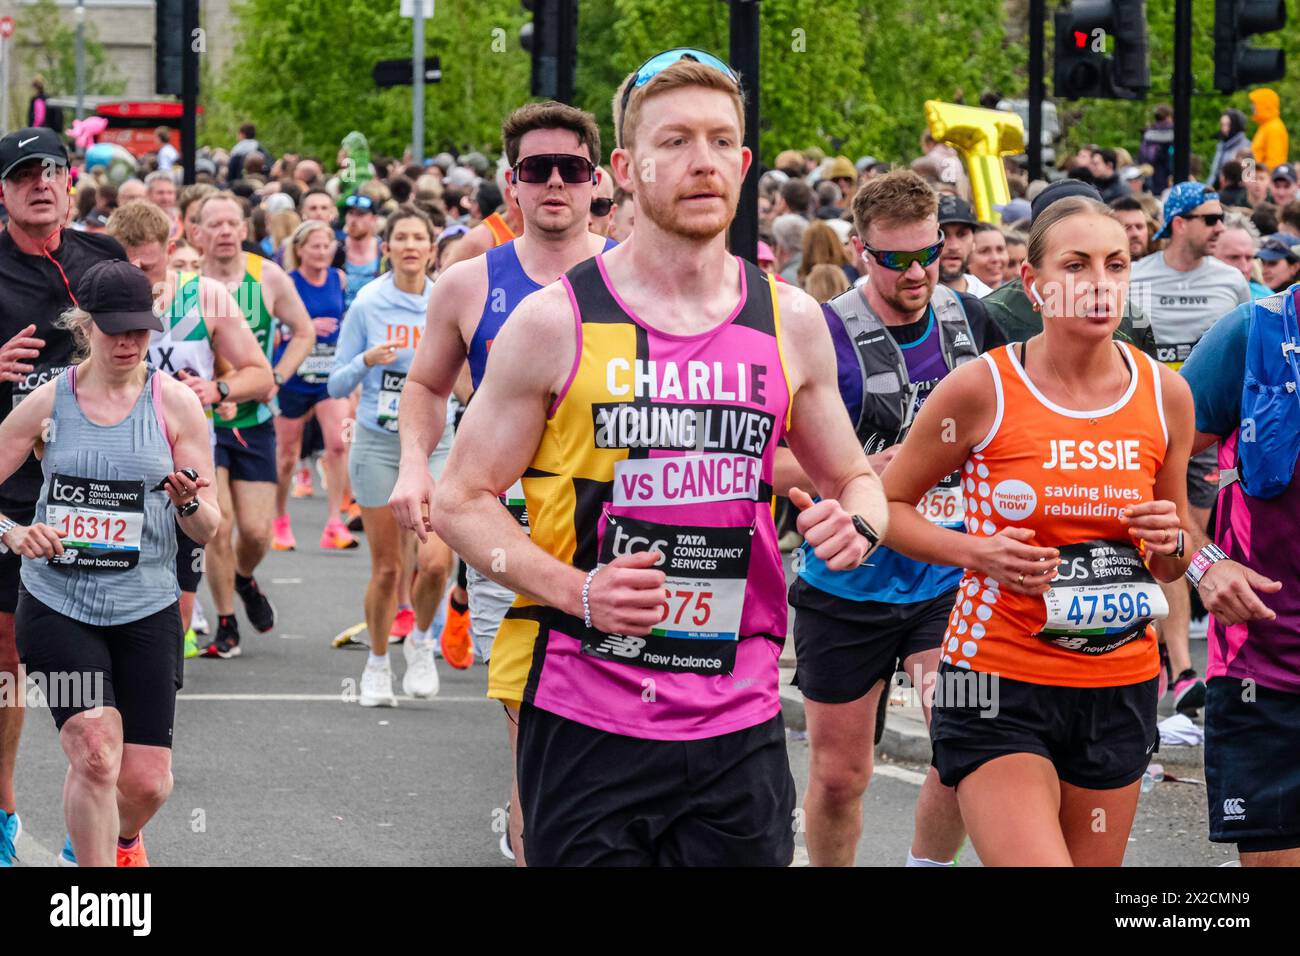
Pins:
<point x="125" y="456"/>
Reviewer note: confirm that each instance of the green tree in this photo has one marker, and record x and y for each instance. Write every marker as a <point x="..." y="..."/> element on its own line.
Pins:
<point x="849" y="76"/>
<point x="50" y="48"/>
<point x="302" y="73"/>
<point x="1119" y="123"/>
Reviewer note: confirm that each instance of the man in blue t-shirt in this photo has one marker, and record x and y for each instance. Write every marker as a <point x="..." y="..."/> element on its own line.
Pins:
<point x="853" y="628"/>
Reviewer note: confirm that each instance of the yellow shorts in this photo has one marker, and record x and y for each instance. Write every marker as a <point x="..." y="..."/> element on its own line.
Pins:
<point x="512" y="659"/>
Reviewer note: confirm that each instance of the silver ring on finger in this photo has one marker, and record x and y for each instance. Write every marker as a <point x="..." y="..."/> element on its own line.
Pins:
<point x="1021" y="579"/>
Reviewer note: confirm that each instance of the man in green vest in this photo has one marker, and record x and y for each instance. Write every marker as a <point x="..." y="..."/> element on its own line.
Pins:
<point x="245" y="454"/>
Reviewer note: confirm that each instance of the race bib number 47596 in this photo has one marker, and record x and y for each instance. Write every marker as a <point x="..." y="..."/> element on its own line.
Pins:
<point x="101" y="522"/>
<point x="1102" y="598"/>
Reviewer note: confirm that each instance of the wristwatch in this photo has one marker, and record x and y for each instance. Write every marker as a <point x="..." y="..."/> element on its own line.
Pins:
<point x="873" y="538"/>
<point x="188" y="508"/>
<point x="223" y="390"/>
<point x="6" y="525"/>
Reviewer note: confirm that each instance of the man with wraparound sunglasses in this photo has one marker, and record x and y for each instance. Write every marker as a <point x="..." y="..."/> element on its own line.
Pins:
<point x="853" y="629"/>
<point x="553" y="150"/>
<point x="1185" y="290"/>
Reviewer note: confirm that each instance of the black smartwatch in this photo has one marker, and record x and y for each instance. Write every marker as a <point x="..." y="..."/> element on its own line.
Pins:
<point x="873" y="538"/>
<point x="188" y="508"/>
<point x="223" y="390"/>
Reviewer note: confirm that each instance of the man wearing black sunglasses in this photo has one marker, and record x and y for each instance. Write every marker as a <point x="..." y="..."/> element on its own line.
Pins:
<point x="1185" y="290"/>
<point x="552" y="150"/>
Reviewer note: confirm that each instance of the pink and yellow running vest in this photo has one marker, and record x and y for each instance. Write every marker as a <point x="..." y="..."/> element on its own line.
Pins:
<point x="667" y="442"/>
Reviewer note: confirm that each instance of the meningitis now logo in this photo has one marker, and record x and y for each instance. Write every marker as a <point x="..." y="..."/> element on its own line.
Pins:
<point x="1014" y="499"/>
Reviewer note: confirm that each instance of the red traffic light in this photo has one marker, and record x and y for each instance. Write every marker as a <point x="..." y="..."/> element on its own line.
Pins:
<point x="1080" y="39"/>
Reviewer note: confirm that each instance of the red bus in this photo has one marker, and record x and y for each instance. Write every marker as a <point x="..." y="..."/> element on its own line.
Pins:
<point x="131" y="123"/>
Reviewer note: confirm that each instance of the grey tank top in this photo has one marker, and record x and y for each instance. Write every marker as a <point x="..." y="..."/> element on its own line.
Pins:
<point x="119" y="561"/>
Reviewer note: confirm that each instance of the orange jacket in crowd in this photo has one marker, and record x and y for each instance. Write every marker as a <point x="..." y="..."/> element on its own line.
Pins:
<point x="1271" y="143"/>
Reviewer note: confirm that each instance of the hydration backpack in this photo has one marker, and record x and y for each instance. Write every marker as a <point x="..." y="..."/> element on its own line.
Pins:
<point x="1270" y="397"/>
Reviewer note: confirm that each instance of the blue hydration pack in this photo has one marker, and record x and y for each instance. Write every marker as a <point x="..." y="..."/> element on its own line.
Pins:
<point x="1270" y="397"/>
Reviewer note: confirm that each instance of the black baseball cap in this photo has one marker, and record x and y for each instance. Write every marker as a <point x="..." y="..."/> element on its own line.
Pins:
<point x="1284" y="171"/>
<point x="119" y="297"/>
<point x="1061" y="189"/>
<point x="955" y="209"/>
<point x="32" y="143"/>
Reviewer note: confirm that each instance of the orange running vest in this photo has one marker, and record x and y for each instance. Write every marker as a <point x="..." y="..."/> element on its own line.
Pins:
<point x="1066" y="475"/>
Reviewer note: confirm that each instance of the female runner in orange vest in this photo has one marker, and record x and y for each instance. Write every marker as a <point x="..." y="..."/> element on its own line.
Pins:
<point x="1073" y="451"/>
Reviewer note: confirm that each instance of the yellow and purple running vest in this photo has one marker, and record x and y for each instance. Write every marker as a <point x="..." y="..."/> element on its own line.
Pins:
<point x="660" y="441"/>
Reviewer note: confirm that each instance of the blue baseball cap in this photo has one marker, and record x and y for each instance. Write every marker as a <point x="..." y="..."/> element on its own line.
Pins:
<point x="1280" y="245"/>
<point x="1181" y="200"/>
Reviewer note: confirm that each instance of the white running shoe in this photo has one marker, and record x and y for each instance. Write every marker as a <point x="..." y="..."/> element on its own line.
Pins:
<point x="377" y="687"/>
<point x="197" y="619"/>
<point x="421" y="677"/>
<point x="508" y="853"/>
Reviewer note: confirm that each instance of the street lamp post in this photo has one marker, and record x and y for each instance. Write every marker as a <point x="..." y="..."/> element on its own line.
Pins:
<point x="81" y="58"/>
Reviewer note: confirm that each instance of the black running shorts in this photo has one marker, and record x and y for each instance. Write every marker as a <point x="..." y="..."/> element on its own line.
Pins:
<point x="1098" y="738"/>
<point x="842" y="647"/>
<point x="593" y="798"/>
<point x="189" y="562"/>
<point x="11" y="564"/>
<point x="1252" y="774"/>
<point x="135" y="667"/>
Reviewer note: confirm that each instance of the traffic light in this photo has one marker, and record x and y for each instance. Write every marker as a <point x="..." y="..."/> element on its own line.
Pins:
<point x="552" y="39"/>
<point x="1236" y="62"/>
<point x="169" y="46"/>
<point x="1082" y="66"/>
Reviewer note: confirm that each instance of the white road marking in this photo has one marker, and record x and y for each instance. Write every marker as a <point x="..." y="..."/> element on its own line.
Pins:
<point x="327" y="698"/>
<point x="800" y="856"/>
<point x="899" y="773"/>
<point x="286" y="580"/>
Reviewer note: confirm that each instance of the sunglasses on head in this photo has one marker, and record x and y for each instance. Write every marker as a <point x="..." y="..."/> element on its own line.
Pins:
<point x="601" y="207"/>
<point x="1211" y="219"/>
<point x="902" y="261"/>
<point x="537" y="169"/>
<point x="652" y="67"/>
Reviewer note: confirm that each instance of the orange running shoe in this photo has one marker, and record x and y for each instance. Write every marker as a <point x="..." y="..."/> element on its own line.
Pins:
<point x="283" y="540"/>
<point x="336" y="537"/>
<point x="402" y="624"/>
<point x="302" y="486"/>
<point x="134" y="856"/>
<point x="457" y="649"/>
